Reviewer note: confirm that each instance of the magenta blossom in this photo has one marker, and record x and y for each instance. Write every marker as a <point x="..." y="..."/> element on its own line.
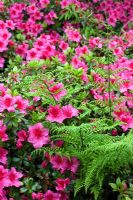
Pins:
<point x="4" y="182"/>
<point x="3" y="155"/>
<point x="58" y="91"/>
<point x="13" y="177"/>
<point x="3" y="135"/>
<point x="49" y="195"/>
<point x="69" y="111"/>
<point x="55" y="114"/>
<point x="38" y="135"/>
<point x="62" y="184"/>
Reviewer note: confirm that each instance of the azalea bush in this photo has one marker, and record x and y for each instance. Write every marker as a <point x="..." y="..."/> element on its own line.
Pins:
<point x="66" y="100"/>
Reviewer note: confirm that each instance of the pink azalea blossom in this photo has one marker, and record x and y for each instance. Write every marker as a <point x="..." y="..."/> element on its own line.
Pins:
<point x="126" y="86"/>
<point x="4" y="182"/>
<point x="3" y="89"/>
<point x="3" y="135"/>
<point x="3" y="155"/>
<point x="13" y="177"/>
<point x="58" y="162"/>
<point x="37" y="196"/>
<point x="63" y="45"/>
<point x="49" y="195"/>
<point x="33" y="54"/>
<point x="38" y="135"/>
<point x="58" y="91"/>
<point x="44" y="3"/>
<point x="22" y="136"/>
<point x="7" y="103"/>
<point x="21" y="104"/>
<point x="69" y="111"/>
<point x="3" y="45"/>
<point x="73" y="35"/>
<point x="62" y="184"/>
<point x="55" y="114"/>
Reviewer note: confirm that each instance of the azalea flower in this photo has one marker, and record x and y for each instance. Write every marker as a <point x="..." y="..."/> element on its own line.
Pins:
<point x="21" y="104"/>
<point x="69" y="111"/>
<point x="7" y="103"/>
<point x="73" y="35"/>
<point x="4" y="182"/>
<point x="62" y="184"/>
<point x="55" y="114"/>
<point x="13" y="177"/>
<point x="58" y="91"/>
<point x="3" y="155"/>
<point x="49" y="195"/>
<point x="37" y="196"/>
<point x="38" y="135"/>
<point x="3" y="135"/>
<point x="57" y="162"/>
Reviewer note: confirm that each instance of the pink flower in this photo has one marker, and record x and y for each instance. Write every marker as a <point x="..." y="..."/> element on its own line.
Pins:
<point x="3" y="45"/>
<point x="57" y="91"/>
<point x="21" y="104"/>
<point x="112" y="21"/>
<point x="3" y="89"/>
<point x="49" y="195"/>
<point x="128" y="120"/>
<point x="65" y="3"/>
<point x="71" y="165"/>
<point x="3" y="195"/>
<point x="7" y="103"/>
<point x="55" y="114"/>
<point x="22" y="135"/>
<point x="126" y="86"/>
<point x="95" y="42"/>
<point x="3" y="155"/>
<point x="33" y="54"/>
<point x="82" y="50"/>
<point x="62" y="184"/>
<point x="118" y="51"/>
<point x="4" y="182"/>
<point x="37" y="196"/>
<point x="1" y="6"/>
<point x="22" y="49"/>
<point x="13" y="177"/>
<point x="10" y="24"/>
<point x="2" y="60"/>
<point x="57" y="162"/>
<point x="49" y="18"/>
<point x="44" y="3"/>
<point x="63" y="45"/>
<point x="3" y="135"/>
<point x="69" y="111"/>
<point x="38" y="135"/>
<point x="74" y="164"/>
<point x="73" y="35"/>
<point x="114" y="132"/>
<point x="5" y="35"/>
<point x="125" y="117"/>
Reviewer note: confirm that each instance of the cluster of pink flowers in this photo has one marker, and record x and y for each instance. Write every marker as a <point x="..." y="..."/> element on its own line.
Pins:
<point x="63" y="164"/>
<point x="12" y="103"/>
<point x="9" y="178"/>
<point x="57" y="114"/>
<point x="117" y="11"/>
<point x="29" y="21"/>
